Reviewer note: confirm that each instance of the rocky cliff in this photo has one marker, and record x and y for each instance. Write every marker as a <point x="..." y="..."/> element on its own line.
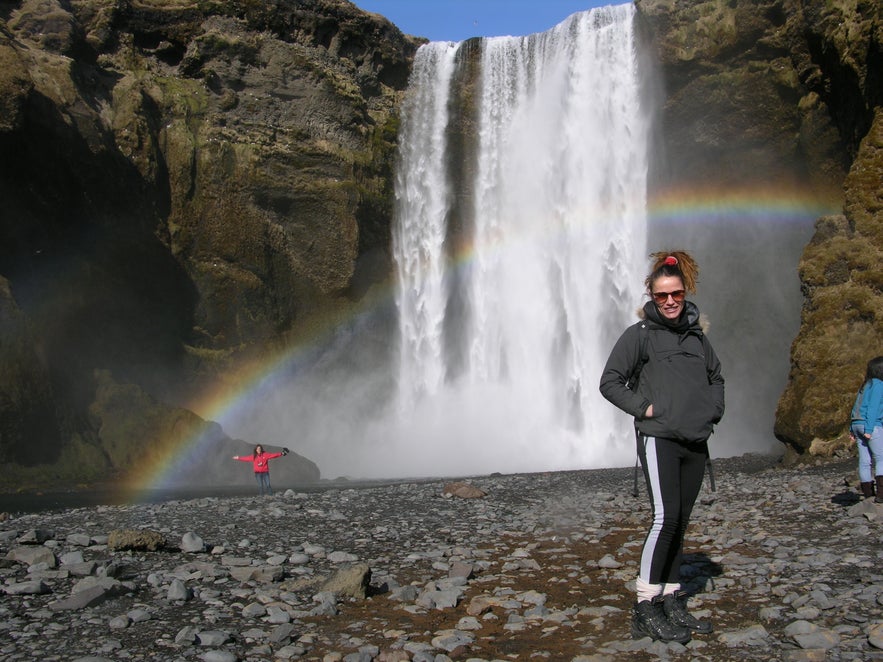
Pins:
<point x="183" y="184"/>
<point x="840" y="270"/>
<point x="187" y="185"/>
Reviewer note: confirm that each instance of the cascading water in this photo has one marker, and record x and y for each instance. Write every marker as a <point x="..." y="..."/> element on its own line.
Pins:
<point x="419" y="238"/>
<point x="520" y="247"/>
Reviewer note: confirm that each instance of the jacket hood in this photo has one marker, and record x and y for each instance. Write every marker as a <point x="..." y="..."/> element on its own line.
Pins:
<point x="690" y="317"/>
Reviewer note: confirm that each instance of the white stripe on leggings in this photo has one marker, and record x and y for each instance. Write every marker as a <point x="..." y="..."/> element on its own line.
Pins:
<point x="658" y="509"/>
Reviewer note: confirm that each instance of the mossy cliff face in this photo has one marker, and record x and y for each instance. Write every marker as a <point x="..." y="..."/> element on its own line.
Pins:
<point x="842" y="319"/>
<point x="789" y="92"/>
<point x="182" y="184"/>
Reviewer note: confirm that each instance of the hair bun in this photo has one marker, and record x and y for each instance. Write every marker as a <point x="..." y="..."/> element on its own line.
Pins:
<point x="674" y="262"/>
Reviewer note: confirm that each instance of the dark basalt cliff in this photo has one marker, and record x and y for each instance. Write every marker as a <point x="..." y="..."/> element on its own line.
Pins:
<point x="185" y="185"/>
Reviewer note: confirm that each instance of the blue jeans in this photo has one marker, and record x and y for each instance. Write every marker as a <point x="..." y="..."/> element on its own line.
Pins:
<point x="870" y="451"/>
<point x="263" y="482"/>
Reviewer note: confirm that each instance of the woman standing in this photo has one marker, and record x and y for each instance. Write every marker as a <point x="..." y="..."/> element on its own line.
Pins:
<point x="261" y="463"/>
<point x="867" y="429"/>
<point x="664" y="372"/>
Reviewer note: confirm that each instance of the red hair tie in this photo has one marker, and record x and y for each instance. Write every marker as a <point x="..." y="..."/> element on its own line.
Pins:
<point x="671" y="260"/>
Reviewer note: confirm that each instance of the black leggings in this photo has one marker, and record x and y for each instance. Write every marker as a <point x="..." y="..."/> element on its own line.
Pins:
<point x="673" y="471"/>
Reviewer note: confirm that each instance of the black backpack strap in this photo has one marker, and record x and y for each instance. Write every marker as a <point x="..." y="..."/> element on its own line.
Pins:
<point x="645" y="356"/>
<point x="637" y="464"/>
<point x="710" y="473"/>
<point x="633" y="383"/>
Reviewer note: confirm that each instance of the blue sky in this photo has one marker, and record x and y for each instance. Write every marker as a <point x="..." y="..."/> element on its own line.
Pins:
<point x="456" y="20"/>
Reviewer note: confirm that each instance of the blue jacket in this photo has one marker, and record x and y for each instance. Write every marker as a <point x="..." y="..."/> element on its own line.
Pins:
<point x="872" y="405"/>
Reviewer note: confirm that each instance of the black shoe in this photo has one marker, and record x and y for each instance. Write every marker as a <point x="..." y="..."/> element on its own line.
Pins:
<point x="649" y="620"/>
<point x="675" y="607"/>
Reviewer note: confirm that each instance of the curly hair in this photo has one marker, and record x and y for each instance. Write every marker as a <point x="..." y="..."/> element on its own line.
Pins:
<point x="674" y="263"/>
<point x="875" y="369"/>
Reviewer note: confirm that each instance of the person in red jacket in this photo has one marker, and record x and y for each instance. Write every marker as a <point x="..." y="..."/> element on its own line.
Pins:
<point x="261" y="463"/>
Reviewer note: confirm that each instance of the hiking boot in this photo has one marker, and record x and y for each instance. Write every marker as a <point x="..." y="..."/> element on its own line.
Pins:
<point x="649" y="620"/>
<point x="867" y="489"/>
<point x="879" y="497"/>
<point x="675" y="607"/>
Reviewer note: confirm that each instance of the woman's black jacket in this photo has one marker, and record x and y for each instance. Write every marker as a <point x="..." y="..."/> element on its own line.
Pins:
<point x="672" y="366"/>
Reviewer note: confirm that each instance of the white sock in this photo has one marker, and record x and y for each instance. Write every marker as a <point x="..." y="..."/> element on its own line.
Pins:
<point x="668" y="589"/>
<point x="646" y="590"/>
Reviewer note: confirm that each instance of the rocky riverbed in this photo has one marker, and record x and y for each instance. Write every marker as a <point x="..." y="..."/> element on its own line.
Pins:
<point x="787" y="562"/>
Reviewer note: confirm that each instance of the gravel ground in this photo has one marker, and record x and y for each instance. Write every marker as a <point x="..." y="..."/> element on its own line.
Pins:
<point x="788" y="563"/>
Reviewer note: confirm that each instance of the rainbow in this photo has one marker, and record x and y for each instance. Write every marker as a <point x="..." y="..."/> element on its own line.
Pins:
<point x="771" y="203"/>
<point x="232" y="395"/>
<point x="226" y="401"/>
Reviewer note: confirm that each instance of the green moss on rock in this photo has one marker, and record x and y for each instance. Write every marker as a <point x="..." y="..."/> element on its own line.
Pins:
<point x="842" y="321"/>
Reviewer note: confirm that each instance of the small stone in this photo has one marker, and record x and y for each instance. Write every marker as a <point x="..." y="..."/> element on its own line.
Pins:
<point x="135" y="539"/>
<point x="139" y="615"/>
<point x="88" y="597"/>
<point x="178" y="592"/>
<point x="212" y="638"/>
<point x="218" y="656"/>
<point x="254" y="610"/>
<point x="119" y="622"/>
<point x="277" y="615"/>
<point x="32" y="555"/>
<point x="342" y="557"/>
<point x="875" y="635"/>
<point x="609" y="562"/>
<point x="35" y="587"/>
<point x="187" y="635"/>
<point x="192" y="543"/>
<point x="463" y="490"/>
<point x="281" y="633"/>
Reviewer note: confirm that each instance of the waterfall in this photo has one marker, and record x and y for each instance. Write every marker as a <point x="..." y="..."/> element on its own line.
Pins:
<point x="419" y="237"/>
<point x="519" y="244"/>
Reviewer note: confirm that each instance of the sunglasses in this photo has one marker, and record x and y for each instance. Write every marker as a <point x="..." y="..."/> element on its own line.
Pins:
<point x="661" y="297"/>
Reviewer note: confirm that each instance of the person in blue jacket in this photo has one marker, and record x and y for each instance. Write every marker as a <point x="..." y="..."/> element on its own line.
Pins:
<point x="664" y="372"/>
<point x="866" y="428"/>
